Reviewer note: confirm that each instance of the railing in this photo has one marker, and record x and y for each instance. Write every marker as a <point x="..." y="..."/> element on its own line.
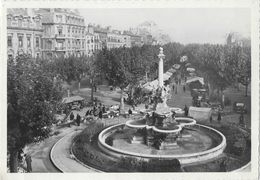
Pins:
<point x="60" y="36"/>
<point x="60" y="48"/>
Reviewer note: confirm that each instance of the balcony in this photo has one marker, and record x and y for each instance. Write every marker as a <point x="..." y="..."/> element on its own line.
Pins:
<point x="60" y="36"/>
<point x="78" y="36"/>
<point x="60" y="48"/>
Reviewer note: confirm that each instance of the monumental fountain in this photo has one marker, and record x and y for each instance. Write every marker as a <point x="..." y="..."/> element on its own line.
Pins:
<point x="159" y="134"/>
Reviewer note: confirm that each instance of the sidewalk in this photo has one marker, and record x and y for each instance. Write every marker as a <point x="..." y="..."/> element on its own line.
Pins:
<point x="40" y="152"/>
<point x="61" y="157"/>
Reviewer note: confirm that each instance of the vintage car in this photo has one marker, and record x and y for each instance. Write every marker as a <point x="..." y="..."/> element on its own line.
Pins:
<point x="239" y="107"/>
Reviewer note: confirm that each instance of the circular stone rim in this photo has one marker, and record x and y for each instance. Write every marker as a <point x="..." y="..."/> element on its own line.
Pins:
<point x="218" y="149"/>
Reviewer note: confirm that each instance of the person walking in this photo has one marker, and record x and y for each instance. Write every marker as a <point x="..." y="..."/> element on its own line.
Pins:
<point x="71" y="116"/>
<point x="130" y="112"/>
<point x="186" y="110"/>
<point x="173" y="115"/>
<point x="103" y="109"/>
<point x="219" y="117"/>
<point x="78" y="118"/>
<point x="241" y="120"/>
<point x="28" y="161"/>
<point x="100" y="115"/>
<point x="184" y="88"/>
<point x="210" y="119"/>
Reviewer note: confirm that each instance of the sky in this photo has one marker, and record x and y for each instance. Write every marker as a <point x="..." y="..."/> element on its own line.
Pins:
<point x="189" y="25"/>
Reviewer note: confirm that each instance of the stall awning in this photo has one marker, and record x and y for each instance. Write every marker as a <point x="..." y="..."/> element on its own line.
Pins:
<point x="72" y="99"/>
<point x="200" y="79"/>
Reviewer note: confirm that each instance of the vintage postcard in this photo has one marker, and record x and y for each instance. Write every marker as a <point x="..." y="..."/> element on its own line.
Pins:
<point x="154" y="89"/>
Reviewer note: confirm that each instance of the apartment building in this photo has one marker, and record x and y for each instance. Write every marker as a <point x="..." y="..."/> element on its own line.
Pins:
<point x="63" y="32"/>
<point x="24" y="32"/>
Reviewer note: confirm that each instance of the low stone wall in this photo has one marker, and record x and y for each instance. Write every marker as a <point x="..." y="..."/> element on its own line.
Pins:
<point x="183" y="158"/>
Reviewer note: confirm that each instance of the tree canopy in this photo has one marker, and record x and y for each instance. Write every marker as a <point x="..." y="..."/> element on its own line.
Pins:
<point x="32" y="97"/>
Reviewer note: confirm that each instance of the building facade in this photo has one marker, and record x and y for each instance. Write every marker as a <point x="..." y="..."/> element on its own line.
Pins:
<point x="115" y="39"/>
<point x="24" y="33"/>
<point x="135" y="40"/>
<point x="63" y="33"/>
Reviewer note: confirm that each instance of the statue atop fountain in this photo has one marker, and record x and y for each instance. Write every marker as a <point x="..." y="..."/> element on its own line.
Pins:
<point x="161" y="93"/>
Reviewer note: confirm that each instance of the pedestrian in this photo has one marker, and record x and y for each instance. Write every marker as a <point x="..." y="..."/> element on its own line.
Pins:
<point x="173" y="87"/>
<point x="71" y="116"/>
<point x="100" y="115"/>
<point x="179" y="80"/>
<point x="176" y="90"/>
<point x="103" y="109"/>
<point x="184" y="88"/>
<point x="241" y="120"/>
<point x="219" y="117"/>
<point x="95" y="87"/>
<point x="78" y="118"/>
<point x="130" y="112"/>
<point x="210" y="119"/>
<point x="87" y="113"/>
<point x="28" y="161"/>
<point x="186" y="110"/>
<point x="94" y="110"/>
<point x="146" y="106"/>
<point x="173" y="115"/>
<point x="20" y="155"/>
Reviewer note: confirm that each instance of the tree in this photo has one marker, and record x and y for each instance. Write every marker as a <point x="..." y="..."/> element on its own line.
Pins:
<point x="32" y="97"/>
<point x="71" y="68"/>
<point x="91" y="72"/>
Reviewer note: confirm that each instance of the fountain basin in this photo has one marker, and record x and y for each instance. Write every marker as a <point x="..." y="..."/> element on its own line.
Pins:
<point x="124" y="148"/>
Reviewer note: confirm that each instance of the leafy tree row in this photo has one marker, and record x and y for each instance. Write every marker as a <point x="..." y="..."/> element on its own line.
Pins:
<point x="32" y="97"/>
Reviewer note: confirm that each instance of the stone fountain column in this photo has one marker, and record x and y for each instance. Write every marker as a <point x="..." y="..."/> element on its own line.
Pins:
<point x="160" y="72"/>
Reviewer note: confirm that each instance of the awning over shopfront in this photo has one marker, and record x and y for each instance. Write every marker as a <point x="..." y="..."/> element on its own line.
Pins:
<point x="72" y="99"/>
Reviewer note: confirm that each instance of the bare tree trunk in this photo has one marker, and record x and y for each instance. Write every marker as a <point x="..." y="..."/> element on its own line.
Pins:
<point x="122" y="104"/>
<point x="92" y="90"/>
<point x="13" y="161"/>
<point x="79" y="86"/>
<point x="222" y="98"/>
<point x="68" y="92"/>
<point x="92" y="94"/>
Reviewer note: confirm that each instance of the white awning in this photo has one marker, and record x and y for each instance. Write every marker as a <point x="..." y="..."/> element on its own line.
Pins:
<point x="200" y="79"/>
<point x="72" y="99"/>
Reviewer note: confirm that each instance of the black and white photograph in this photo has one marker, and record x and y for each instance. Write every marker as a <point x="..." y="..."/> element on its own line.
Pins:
<point x="129" y="90"/>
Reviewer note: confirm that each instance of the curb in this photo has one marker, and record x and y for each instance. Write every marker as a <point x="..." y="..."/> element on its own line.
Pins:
<point x="51" y="152"/>
<point x="80" y="162"/>
<point x="70" y="152"/>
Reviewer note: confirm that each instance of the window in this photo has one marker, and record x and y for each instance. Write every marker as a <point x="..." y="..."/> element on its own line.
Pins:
<point x="20" y="22"/>
<point x="59" y="18"/>
<point x="37" y="42"/>
<point x="20" y="40"/>
<point x="60" y="31"/>
<point x="28" y="42"/>
<point x="9" y="41"/>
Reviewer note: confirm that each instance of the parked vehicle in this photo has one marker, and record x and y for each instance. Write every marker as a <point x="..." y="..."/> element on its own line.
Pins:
<point x="239" y="107"/>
